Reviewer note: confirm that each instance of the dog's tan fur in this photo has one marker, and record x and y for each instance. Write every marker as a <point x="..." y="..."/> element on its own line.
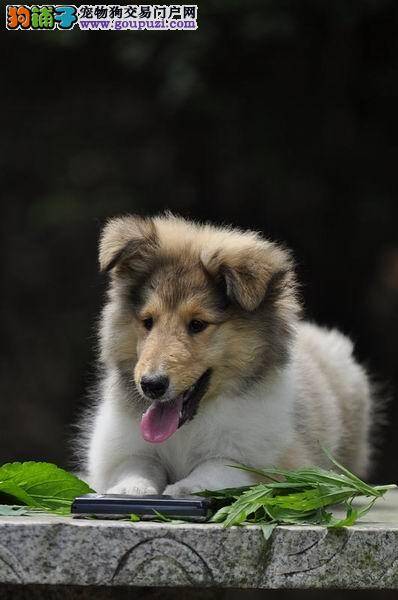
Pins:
<point x="173" y="271"/>
<point x="184" y="256"/>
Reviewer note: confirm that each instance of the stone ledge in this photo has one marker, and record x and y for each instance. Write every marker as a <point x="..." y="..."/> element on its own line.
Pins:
<point x="66" y="551"/>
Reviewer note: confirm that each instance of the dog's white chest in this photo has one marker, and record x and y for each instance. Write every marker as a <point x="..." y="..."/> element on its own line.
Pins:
<point x="245" y="430"/>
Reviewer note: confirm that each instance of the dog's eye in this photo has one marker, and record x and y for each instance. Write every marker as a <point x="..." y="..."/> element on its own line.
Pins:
<point x="196" y="326"/>
<point x="148" y="323"/>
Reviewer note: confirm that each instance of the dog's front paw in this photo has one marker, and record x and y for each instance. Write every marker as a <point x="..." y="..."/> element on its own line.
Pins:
<point x="133" y="486"/>
<point x="183" y="488"/>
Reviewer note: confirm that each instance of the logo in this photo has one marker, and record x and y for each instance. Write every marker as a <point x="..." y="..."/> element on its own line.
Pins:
<point x="102" y="17"/>
<point x="40" y="17"/>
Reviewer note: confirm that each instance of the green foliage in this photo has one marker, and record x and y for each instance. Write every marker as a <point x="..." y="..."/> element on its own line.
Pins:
<point x="40" y="485"/>
<point x="13" y="510"/>
<point x="291" y="497"/>
<point x="134" y="518"/>
<point x="297" y="496"/>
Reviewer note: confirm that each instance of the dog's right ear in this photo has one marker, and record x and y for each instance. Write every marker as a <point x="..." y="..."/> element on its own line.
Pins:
<point x="127" y="242"/>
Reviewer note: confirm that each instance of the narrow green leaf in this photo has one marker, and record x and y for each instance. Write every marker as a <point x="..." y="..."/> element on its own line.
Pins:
<point x="367" y="489"/>
<point x="223" y="493"/>
<point x="267" y="529"/>
<point x="220" y="515"/>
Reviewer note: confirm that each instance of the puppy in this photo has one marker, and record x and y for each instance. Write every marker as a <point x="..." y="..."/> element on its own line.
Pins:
<point x="206" y="363"/>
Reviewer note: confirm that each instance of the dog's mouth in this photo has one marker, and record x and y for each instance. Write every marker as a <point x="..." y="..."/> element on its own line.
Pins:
<point x="162" y="419"/>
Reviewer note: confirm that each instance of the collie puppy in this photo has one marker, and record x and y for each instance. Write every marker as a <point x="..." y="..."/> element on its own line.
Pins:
<point x="206" y="363"/>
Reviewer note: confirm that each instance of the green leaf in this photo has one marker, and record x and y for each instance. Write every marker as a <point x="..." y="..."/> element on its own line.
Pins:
<point x="12" y="510"/>
<point x="308" y="500"/>
<point x="40" y="484"/>
<point x="224" y="493"/>
<point x="134" y="518"/>
<point x="220" y="515"/>
<point x="166" y="519"/>
<point x="249" y="502"/>
<point x="366" y="489"/>
<point x="267" y="529"/>
<point x="352" y="515"/>
<point x="161" y="517"/>
<point x="350" y="518"/>
<point x="15" y="493"/>
<point x="297" y="496"/>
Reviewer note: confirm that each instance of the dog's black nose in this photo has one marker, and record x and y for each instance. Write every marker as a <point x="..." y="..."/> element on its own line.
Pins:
<point x="154" y="386"/>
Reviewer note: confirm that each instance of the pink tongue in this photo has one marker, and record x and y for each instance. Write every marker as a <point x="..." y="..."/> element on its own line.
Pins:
<point x="161" y="420"/>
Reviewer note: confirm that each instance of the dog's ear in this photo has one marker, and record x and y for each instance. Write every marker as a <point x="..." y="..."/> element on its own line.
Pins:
<point x="251" y="272"/>
<point x="127" y="242"/>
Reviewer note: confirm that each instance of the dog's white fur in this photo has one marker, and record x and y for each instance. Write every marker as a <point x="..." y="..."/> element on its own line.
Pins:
<point x="320" y="396"/>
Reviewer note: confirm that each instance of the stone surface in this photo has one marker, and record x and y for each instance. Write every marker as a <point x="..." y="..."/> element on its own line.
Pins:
<point x="55" y="551"/>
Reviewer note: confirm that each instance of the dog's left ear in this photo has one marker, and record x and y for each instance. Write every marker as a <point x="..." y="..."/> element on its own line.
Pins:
<point x="250" y="272"/>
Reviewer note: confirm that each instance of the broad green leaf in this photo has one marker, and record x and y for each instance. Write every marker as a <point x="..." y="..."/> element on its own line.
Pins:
<point x="40" y="484"/>
<point x="11" y="490"/>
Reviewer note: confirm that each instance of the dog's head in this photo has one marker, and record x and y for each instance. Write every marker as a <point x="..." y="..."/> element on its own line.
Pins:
<point x="193" y="311"/>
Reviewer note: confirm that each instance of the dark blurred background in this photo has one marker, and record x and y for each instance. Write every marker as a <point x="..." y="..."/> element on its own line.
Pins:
<point x="276" y="115"/>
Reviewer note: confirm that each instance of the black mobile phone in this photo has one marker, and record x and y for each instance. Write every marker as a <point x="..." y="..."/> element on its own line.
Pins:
<point x="191" y="508"/>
